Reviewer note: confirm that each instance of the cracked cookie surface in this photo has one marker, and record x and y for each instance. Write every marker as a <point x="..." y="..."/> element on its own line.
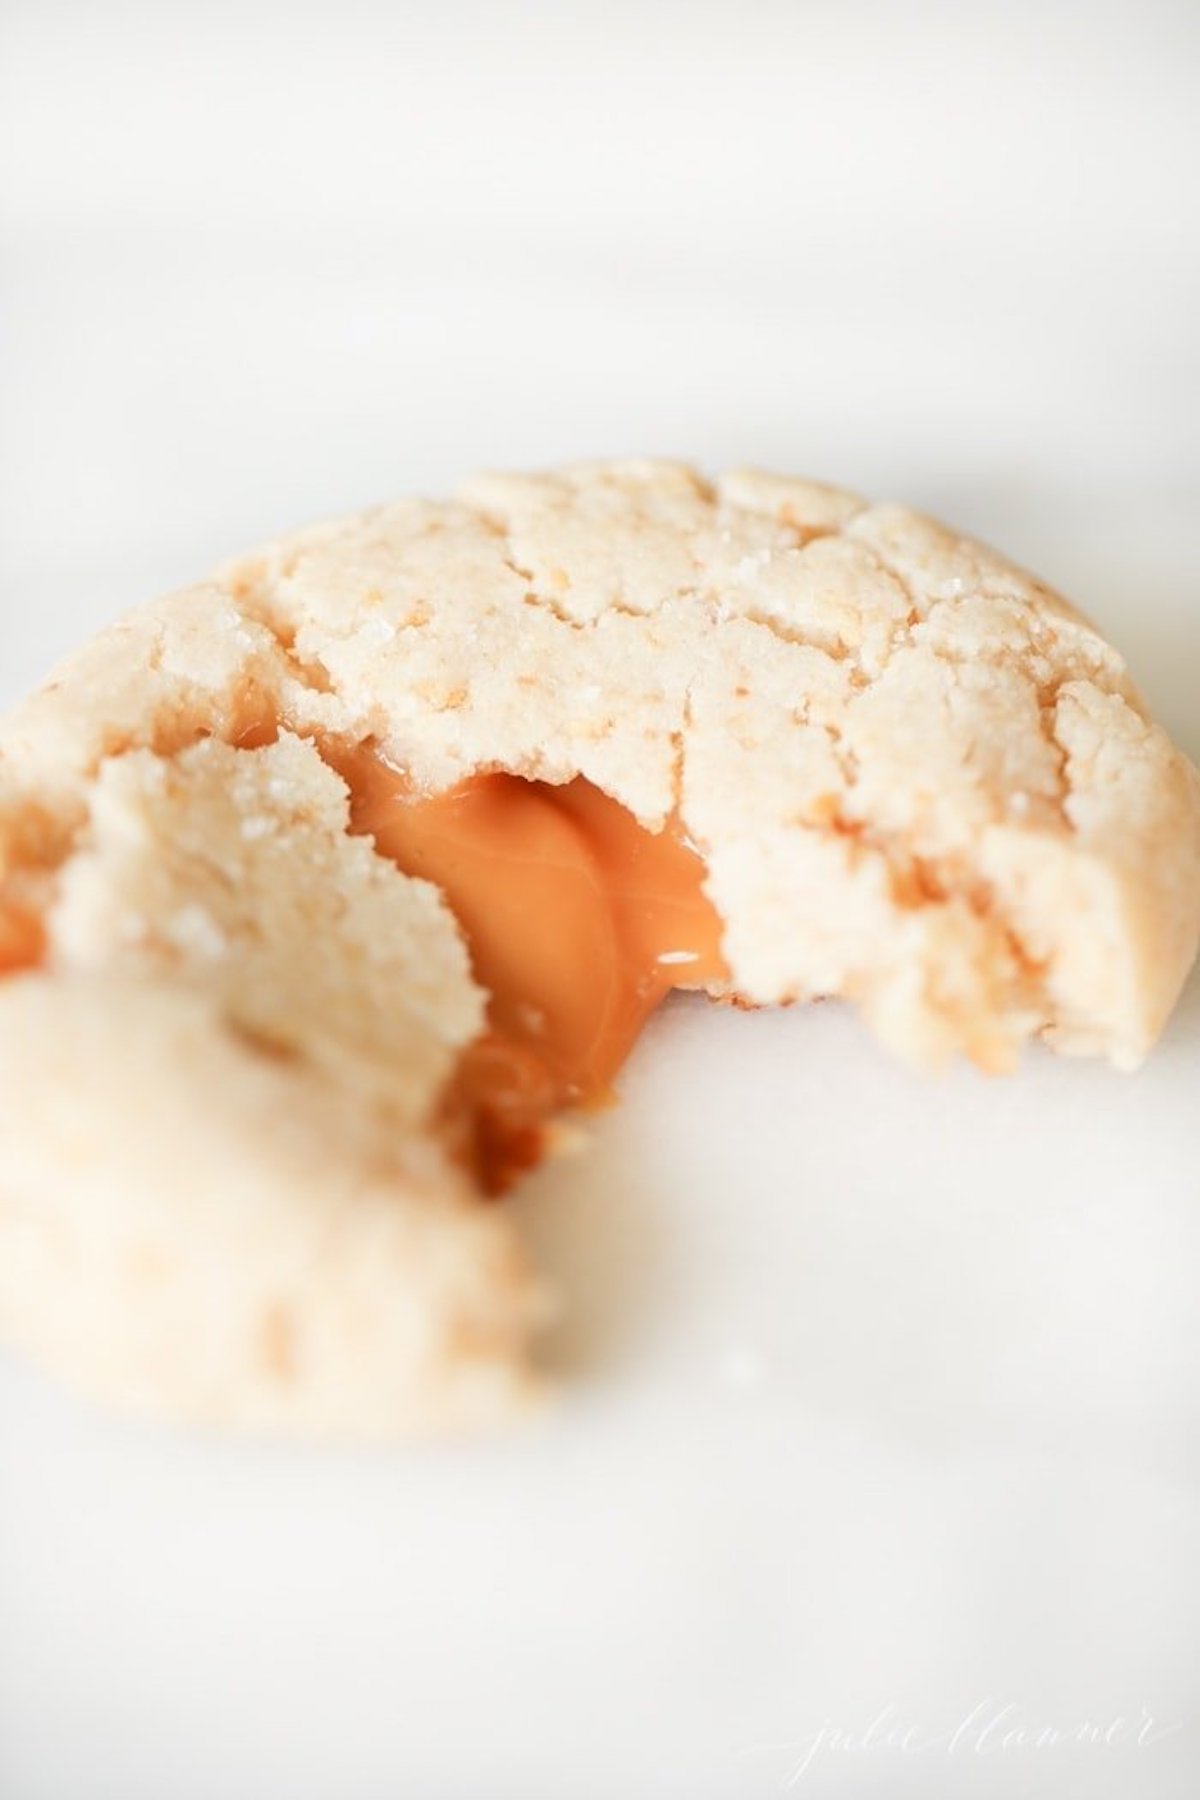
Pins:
<point x="919" y="780"/>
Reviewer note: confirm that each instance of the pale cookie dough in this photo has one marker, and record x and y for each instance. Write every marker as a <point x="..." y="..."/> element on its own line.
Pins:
<point x="919" y="779"/>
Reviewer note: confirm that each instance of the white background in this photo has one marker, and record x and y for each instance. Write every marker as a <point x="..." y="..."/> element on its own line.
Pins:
<point x="885" y="1396"/>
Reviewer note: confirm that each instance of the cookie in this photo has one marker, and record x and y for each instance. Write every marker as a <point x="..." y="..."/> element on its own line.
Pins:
<point x="326" y="886"/>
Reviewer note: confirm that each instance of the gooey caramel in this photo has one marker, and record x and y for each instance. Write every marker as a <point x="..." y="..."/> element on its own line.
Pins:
<point x="22" y="941"/>
<point x="578" y="920"/>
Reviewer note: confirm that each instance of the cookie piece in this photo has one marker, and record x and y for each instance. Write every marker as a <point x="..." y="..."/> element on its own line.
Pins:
<point x="220" y="1192"/>
<point x="231" y="1029"/>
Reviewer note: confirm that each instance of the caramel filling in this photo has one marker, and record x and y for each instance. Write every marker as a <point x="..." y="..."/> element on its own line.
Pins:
<point x="22" y="941"/>
<point x="579" y="922"/>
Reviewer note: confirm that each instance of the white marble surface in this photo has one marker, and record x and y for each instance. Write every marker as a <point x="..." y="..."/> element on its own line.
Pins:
<point x="884" y="1396"/>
